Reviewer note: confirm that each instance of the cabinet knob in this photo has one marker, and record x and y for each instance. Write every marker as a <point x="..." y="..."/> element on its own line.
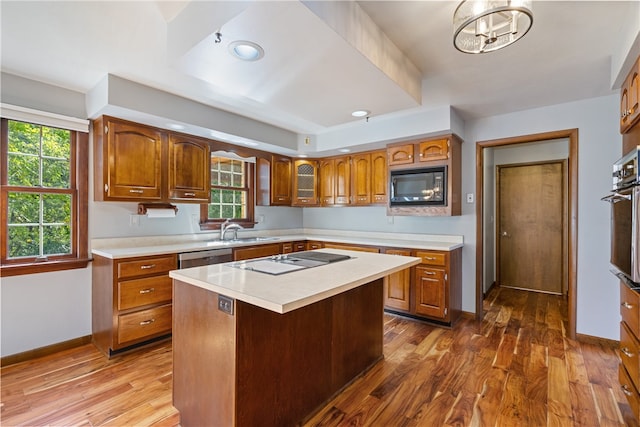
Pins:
<point x="625" y="390"/>
<point x="626" y="352"/>
<point x="627" y="305"/>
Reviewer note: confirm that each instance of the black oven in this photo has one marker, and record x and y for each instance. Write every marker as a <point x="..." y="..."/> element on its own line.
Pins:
<point x="419" y="187"/>
<point x="625" y="217"/>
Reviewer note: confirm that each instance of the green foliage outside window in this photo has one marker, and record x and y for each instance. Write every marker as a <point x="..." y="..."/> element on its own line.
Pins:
<point x="228" y="189"/>
<point x="39" y="207"/>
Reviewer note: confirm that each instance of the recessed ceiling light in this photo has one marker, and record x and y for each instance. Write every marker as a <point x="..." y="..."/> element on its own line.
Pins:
<point x="302" y="155"/>
<point x="175" y="126"/>
<point x="360" y="113"/>
<point x="344" y="150"/>
<point x="246" y="50"/>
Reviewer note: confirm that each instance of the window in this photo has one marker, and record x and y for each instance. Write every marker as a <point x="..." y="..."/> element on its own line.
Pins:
<point x="43" y="198"/>
<point x="231" y="193"/>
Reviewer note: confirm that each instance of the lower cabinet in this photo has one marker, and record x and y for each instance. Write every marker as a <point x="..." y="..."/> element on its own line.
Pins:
<point x="243" y="253"/>
<point x="131" y="301"/>
<point x="629" y="369"/>
<point x="289" y="247"/>
<point x="397" y="288"/>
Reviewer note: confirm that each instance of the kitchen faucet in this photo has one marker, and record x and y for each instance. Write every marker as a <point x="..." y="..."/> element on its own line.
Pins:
<point x="226" y="226"/>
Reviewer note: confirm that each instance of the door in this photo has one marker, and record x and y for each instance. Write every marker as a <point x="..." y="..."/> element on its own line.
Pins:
<point x="531" y="203"/>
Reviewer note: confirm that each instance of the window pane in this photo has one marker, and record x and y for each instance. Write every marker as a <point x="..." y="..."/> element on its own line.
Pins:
<point x="57" y="240"/>
<point x="56" y="143"/>
<point x="225" y="165"/>
<point x="56" y="173"/>
<point x="56" y="208"/>
<point x="227" y="211"/>
<point x="23" y="170"/>
<point x="24" y="138"/>
<point x="24" y="241"/>
<point x="214" y="211"/>
<point x="225" y="179"/>
<point x="237" y="181"/>
<point x="227" y="196"/>
<point x="24" y="208"/>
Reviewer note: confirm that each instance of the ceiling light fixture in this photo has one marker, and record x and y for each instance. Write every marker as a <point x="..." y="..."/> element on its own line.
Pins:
<point x="246" y="50"/>
<point x="344" y="150"/>
<point x="360" y="113"/>
<point x="482" y="26"/>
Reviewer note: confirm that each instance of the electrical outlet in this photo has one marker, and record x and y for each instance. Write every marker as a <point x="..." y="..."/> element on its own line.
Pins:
<point x="225" y="304"/>
<point x="469" y="197"/>
<point x="134" y="220"/>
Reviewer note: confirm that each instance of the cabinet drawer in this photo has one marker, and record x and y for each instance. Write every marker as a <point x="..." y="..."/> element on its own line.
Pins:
<point x="144" y="324"/>
<point x="146" y="267"/>
<point x="432" y="258"/>
<point x="629" y="391"/>
<point x="629" y="348"/>
<point x="629" y="308"/>
<point x="146" y="291"/>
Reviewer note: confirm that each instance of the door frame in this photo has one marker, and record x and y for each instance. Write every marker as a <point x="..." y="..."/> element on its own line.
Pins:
<point x="565" y="193"/>
<point x="572" y="213"/>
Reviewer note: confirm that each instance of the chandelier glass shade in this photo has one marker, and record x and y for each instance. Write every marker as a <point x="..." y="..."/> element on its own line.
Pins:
<point x="482" y="26"/>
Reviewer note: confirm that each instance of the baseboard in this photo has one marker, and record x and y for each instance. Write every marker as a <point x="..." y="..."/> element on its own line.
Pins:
<point x="590" y="339"/>
<point x="44" y="351"/>
<point x="493" y="285"/>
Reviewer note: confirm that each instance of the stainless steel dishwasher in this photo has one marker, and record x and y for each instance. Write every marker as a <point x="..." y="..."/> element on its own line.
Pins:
<point x="207" y="257"/>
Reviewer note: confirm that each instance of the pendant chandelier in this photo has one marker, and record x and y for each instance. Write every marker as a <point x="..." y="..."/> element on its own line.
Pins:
<point x="482" y="26"/>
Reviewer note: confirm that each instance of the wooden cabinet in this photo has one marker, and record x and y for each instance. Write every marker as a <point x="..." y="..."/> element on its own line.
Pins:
<point x="379" y="178"/>
<point x="128" y="161"/>
<point x="189" y="169"/>
<point x="630" y="346"/>
<point x="312" y="244"/>
<point x="630" y="98"/>
<point x="273" y="185"/>
<point x="350" y="247"/>
<point x="342" y="180"/>
<point x="289" y="247"/>
<point x="327" y="182"/>
<point x="131" y="301"/>
<point x="361" y="177"/>
<point x="443" y="151"/>
<point x="438" y="285"/>
<point x="133" y="162"/>
<point x="397" y="286"/>
<point x="305" y="183"/>
<point x="257" y="251"/>
<point x="400" y="154"/>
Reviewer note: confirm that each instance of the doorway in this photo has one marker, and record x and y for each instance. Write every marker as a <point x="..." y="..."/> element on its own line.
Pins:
<point x="571" y="220"/>
<point x="530" y="224"/>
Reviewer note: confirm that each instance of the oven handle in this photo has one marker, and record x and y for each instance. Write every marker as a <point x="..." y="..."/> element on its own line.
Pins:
<point x="616" y="197"/>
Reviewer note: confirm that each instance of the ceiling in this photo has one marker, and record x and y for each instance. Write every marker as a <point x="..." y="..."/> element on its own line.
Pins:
<point x="322" y="59"/>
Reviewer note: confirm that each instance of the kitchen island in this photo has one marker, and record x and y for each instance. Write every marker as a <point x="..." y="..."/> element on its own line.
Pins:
<point x="251" y="348"/>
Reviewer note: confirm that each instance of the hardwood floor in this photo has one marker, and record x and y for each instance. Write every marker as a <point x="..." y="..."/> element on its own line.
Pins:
<point x="515" y="368"/>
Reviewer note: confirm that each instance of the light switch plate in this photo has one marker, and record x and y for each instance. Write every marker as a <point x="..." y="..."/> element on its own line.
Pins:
<point x="469" y="197"/>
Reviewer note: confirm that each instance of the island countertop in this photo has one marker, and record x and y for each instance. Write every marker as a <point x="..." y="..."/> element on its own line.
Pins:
<point x="290" y="291"/>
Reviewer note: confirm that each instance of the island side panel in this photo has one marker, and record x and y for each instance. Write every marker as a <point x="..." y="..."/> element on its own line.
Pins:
<point x="204" y="351"/>
<point x="357" y="332"/>
<point x="283" y="363"/>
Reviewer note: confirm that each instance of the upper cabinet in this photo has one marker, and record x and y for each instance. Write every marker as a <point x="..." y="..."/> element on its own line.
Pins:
<point x="273" y="184"/>
<point x="361" y="178"/>
<point x="133" y="162"/>
<point x="305" y="183"/>
<point x="189" y="169"/>
<point x="379" y="177"/>
<point x="327" y="180"/>
<point x="128" y="161"/>
<point x="441" y="151"/>
<point x="630" y="99"/>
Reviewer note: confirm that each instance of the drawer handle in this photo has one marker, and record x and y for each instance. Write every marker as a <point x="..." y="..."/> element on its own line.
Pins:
<point x="625" y="390"/>
<point x="147" y="322"/>
<point x="430" y="273"/>
<point x="626" y="352"/>
<point x="136" y="191"/>
<point x="627" y="305"/>
<point x="189" y="194"/>
<point x="147" y="291"/>
<point x="430" y="258"/>
<point x="148" y="266"/>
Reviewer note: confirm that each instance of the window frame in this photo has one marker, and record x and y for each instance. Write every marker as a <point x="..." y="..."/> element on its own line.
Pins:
<point x="207" y="223"/>
<point x="79" y="183"/>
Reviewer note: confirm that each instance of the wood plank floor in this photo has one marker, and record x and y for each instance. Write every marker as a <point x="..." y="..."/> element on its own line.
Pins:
<point x="515" y="368"/>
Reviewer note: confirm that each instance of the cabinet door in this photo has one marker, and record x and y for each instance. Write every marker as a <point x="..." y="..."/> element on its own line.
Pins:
<point x="305" y="183"/>
<point x="134" y="162"/>
<point x="240" y="254"/>
<point x="379" y="178"/>
<point x="400" y="154"/>
<point x="438" y="149"/>
<point x="327" y="186"/>
<point x="342" y="181"/>
<point x="431" y="293"/>
<point x="361" y="178"/>
<point x="397" y="285"/>
<point x="280" y="181"/>
<point x="189" y="170"/>
<point x="634" y="93"/>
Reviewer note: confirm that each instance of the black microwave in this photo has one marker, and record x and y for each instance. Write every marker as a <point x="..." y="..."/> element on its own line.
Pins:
<point x="419" y="187"/>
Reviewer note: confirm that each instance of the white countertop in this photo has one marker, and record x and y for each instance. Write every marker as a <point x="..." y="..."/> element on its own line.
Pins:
<point x="290" y="291"/>
<point x="134" y="247"/>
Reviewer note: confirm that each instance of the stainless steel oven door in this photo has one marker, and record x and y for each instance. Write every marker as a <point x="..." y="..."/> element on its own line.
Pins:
<point x="625" y="242"/>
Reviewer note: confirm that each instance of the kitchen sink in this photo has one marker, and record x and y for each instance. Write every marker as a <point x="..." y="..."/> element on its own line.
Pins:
<point x="241" y="240"/>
